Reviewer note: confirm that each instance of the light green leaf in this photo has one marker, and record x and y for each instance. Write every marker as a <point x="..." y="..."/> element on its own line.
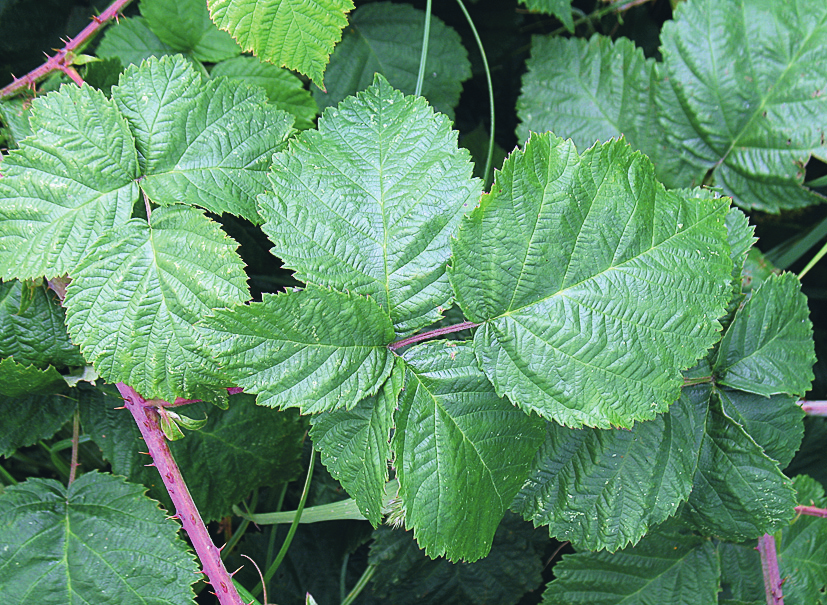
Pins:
<point x="663" y="568"/>
<point x="775" y="423"/>
<point x="18" y="380"/>
<point x="133" y="302"/>
<point x="746" y="80"/>
<point x="35" y="335"/>
<point x="600" y="286"/>
<point x="65" y="186"/>
<point x="590" y="90"/>
<point x="355" y="446"/>
<point x="739" y="493"/>
<point x="386" y="38"/>
<point x="367" y="203"/>
<point x="462" y="452"/>
<point x="98" y="541"/>
<point x="131" y="41"/>
<point x="284" y="90"/>
<point x="559" y="8"/>
<point x="296" y="34"/>
<point x="315" y="349"/>
<point x="768" y="348"/>
<point x="602" y="489"/>
<point x="185" y="26"/>
<point x="203" y="143"/>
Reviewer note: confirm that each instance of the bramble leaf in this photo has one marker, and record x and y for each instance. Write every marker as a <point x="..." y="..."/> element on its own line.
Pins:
<point x="600" y="286"/>
<point x="665" y="567"/>
<point x="367" y="202"/>
<point x="65" y="186"/>
<point x="297" y="34"/>
<point x="747" y="107"/>
<point x="559" y="8"/>
<point x="132" y="41"/>
<point x="386" y="38"/>
<point x="28" y="419"/>
<point x="206" y="143"/>
<point x="768" y="349"/>
<point x="284" y="90"/>
<point x="133" y="302"/>
<point x="355" y="446"/>
<point x="19" y="380"/>
<point x="90" y="543"/>
<point x="602" y="489"/>
<point x="315" y="349"/>
<point x="186" y="27"/>
<point x="14" y="114"/>
<point x="461" y="451"/>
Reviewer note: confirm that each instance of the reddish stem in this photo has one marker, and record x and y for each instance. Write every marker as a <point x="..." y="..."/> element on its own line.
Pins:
<point x="814" y="408"/>
<point x="769" y="566"/>
<point x="813" y="511"/>
<point x="466" y="325"/>
<point x="62" y="60"/>
<point x="146" y="416"/>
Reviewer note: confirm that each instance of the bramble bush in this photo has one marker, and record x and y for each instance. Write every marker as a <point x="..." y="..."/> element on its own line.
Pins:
<point x="235" y="233"/>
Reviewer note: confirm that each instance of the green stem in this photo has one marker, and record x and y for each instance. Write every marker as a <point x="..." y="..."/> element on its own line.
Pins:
<point x="487" y="174"/>
<point x="360" y="585"/>
<point x="343" y="578"/>
<point x="420" y="78"/>
<point x="73" y="466"/>
<point x="57" y="461"/>
<point x="7" y="478"/>
<point x="239" y="533"/>
<point x="691" y="382"/>
<point x="271" y="571"/>
<point x="819" y="255"/>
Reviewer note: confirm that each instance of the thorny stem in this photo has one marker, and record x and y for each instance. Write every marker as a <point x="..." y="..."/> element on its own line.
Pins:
<point x="466" y="325"/>
<point x="62" y="60"/>
<point x="73" y="467"/>
<point x="812" y="511"/>
<point x="146" y="417"/>
<point x="769" y="566"/>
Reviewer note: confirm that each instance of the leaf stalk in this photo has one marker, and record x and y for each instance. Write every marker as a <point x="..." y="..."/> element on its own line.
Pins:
<point x="769" y="566"/>
<point x="466" y="325"/>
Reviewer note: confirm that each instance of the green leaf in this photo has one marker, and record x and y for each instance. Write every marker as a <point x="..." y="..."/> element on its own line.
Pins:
<point x="768" y="348"/>
<point x="36" y="335"/>
<point x="462" y="452"/>
<point x="662" y="568"/>
<point x="602" y="489"/>
<point x="559" y="8"/>
<point x="65" y="186"/>
<point x="406" y="576"/>
<point x="131" y="41"/>
<point x="776" y="424"/>
<point x="206" y="143"/>
<point x="590" y="90"/>
<point x="315" y="349"/>
<point x="14" y="113"/>
<point x="355" y="446"/>
<point x="367" y="203"/>
<point x="185" y="26"/>
<point x="133" y="302"/>
<point x="284" y="90"/>
<point x="386" y="38"/>
<point x="98" y="541"/>
<point x="746" y="79"/>
<point x="738" y="493"/>
<point x="741" y="581"/>
<point x="297" y="34"/>
<point x="18" y="380"/>
<point x="600" y="286"/>
<point x="28" y="419"/>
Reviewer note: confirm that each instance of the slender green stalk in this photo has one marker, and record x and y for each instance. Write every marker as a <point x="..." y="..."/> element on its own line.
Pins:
<point x="343" y="578"/>
<point x="73" y="466"/>
<point x="239" y="533"/>
<point x="6" y="477"/>
<point x="360" y="585"/>
<point x="271" y="570"/>
<point x="57" y="461"/>
<point x="486" y="176"/>
<point x="819" y="255"/>
<point x="424" y="56"/>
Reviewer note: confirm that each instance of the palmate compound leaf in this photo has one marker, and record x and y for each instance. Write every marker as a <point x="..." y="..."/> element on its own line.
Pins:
<point x="355" y="445"/>
<point x="315" y="349"/>
<point x="367" y="203"/>
<point x="65" y="186"/>
<point x="201" y="142"/>
<point x="744" y="96"/>
<point x="667" y="566"/>
<point x="98" y="541"/>
<point x="461" y="451"/>
<point x="768" y="349"/>
<point x="133" y="301"/>
<point x="604" y="489"/>
<point x="386" y="38"/>
<point x="297" y="34"/>
<point x="599" y="285"/>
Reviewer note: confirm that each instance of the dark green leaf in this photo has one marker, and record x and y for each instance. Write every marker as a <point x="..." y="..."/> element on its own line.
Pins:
<point x="132" y="41"/>
<point x="559" y="8"/>
<point x="18" y="380"/>
<point x="27" y="420"/>
<point x="462" y="452"/>
<point x="14" y="113"/>
<point x="367" y="203"/>
<point x="185" y="26"/>
<point x="600" y="286"/>
<point x="98" y="541"/>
